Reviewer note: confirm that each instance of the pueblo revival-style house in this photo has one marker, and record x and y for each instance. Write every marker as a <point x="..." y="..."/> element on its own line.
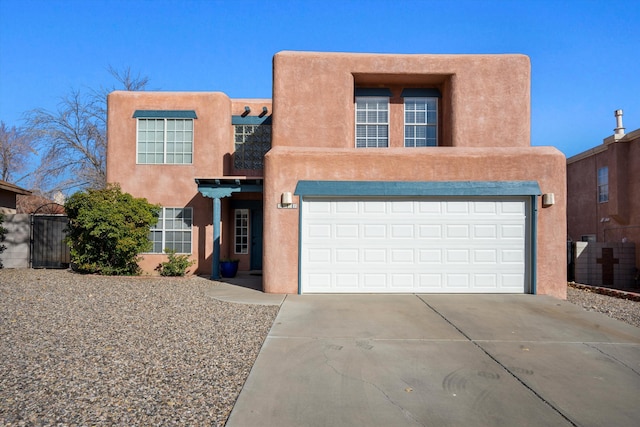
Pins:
<point x="373" y="173"/>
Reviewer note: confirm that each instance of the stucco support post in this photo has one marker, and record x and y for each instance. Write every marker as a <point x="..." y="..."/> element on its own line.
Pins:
<point x="215" y="267"/>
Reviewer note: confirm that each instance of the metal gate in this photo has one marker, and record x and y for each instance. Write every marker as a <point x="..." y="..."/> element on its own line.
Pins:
<point x="48" y="249"/>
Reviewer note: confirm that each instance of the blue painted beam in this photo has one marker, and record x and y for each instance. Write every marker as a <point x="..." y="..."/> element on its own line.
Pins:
<point x="417" y="188"/>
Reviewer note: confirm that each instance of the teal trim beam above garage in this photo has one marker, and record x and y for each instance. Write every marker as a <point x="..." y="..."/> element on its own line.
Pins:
<point x="419" y="188"/>
<point x="164" y="114"/>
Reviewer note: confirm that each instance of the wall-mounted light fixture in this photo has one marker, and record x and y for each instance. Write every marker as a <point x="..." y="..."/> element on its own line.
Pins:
<point x="548" y="199"/>
<point x="286" y="201"/>
<point x="246" y="111"/>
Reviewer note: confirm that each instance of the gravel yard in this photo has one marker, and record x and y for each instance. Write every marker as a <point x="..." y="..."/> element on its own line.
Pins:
<point x="91" y="350"/>
<point x="622" y="309"/>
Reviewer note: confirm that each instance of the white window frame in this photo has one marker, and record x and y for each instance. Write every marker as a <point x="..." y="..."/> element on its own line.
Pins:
<point x="416" y="124"/>
<point x="162" y="228"/>
<point x="241" y="231"/>
<point x="603" y="184"/>
<point x="370" y="126"/>
<point x="187" y="150"/>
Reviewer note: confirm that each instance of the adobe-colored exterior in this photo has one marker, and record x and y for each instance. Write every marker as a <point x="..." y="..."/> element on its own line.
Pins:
<point x="173" y="185"/>
<point x="616" y="220"/>
<point x="483" y="136"/>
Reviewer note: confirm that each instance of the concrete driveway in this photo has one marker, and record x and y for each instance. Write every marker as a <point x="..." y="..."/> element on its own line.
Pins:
<point x="442" y="360"/>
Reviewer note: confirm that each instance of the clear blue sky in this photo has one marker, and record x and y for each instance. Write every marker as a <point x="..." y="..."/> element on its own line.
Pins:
<point x="585" y="55"/>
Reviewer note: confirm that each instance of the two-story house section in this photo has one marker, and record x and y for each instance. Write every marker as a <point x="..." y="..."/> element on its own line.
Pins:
<point x="382" y="174"/>
<point x="199" y="156"/>
<point x="410" y="174"/>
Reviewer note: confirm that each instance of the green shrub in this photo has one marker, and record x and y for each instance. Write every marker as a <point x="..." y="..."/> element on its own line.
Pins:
<point x="108" y="229"/>
<point x="176" y="265"/>
<point x="3" y="232"/>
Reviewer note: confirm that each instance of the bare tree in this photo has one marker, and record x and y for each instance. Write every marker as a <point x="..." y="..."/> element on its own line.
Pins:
<point x="15" y="148"/>
<point x="74" y="138"/>
<point x="74" y="144"/>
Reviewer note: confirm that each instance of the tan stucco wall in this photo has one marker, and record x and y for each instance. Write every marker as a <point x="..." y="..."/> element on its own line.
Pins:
<point x="484" y="132"/>
<point x="285" y="166"/>
<point x="485" y="98"/>
<point x="174" y="185"/>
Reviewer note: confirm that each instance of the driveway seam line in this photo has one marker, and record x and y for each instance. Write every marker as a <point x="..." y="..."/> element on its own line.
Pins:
<point x="535" y="393"/>
<point x="613" y="357"/>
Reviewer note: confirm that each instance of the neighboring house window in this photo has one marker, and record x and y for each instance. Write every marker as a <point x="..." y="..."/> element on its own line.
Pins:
<point x="251" y="144"/>
<point x="173" y="230"/>
<point x="372" y="121"/>
<point x="241" y="231"/>
<point x="168" y="141"/>
<point x="421" y="122"/>
<point x="603" y="185"/>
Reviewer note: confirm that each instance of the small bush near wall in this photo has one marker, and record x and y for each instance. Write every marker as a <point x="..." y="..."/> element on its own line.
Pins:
<point x="176" y="265"/>
<point x="108" y="229"/>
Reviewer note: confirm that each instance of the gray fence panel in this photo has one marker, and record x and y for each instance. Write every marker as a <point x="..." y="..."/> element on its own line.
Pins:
<point x="16" y="254"/>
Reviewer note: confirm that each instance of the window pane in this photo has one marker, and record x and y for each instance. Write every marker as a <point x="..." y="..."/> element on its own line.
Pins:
<point x="421" y="121"/>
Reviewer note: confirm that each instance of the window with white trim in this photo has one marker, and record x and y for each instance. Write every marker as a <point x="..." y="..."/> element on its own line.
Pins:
<point x="603" y="184"/>
<point x="420" y="122"/>
<point x="165" y="141"/>
<point x="372" y="121"/>
<point x="173" y="230"/>
<point x="241" y="231"/>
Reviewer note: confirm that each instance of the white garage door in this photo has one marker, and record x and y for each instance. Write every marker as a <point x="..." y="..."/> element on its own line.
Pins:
<point x="424" y="245"/>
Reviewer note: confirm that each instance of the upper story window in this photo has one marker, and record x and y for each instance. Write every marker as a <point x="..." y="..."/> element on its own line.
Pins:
<point x="372" y="122"/>
<point x="381" y="113"/>
<point x="372" y="117"/>
<point x="421" y="122"/>
<point x="165" y="137"/>
<point x="603" y="185"/>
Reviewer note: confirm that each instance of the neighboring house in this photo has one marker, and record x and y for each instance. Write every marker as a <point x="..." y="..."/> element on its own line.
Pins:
<point x="603" y="207"/>
<point x="8" y="195"/>
<point x="375" y="173"/>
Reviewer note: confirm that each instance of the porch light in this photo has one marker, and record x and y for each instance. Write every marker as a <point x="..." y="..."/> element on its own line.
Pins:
<point x="286" y="201"/>
<point x="548" y="199"/>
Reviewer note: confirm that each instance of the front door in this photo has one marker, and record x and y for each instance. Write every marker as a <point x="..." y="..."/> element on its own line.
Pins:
<point x="255" y="230"/>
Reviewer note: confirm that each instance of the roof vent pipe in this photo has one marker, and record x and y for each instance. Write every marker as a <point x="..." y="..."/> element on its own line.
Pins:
<point x="619" y="130"/>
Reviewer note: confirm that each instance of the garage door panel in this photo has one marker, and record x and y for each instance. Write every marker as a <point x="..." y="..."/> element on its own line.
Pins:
<point x="422" y="245"/>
